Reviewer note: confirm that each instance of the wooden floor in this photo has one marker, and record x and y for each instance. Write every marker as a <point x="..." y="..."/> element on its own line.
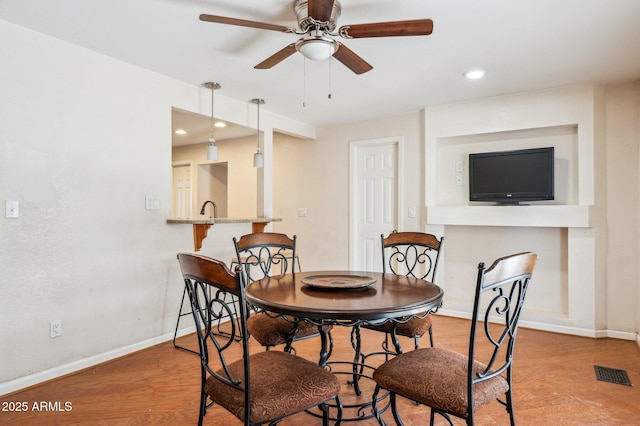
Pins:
<point x="554" y="384"/>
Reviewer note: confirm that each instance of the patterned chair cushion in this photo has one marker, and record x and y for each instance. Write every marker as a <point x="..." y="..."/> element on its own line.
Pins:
<point x="281" y="384"/>
<point x="275" y="331"/>
<point x="437" y="377"/>
<point x="412" y="328"/>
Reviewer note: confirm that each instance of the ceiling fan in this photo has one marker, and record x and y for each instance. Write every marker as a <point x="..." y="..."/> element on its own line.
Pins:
<point x="317" y="20"/>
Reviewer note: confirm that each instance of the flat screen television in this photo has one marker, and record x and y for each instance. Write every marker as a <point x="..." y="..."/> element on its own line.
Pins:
<point x="511" y="177"/>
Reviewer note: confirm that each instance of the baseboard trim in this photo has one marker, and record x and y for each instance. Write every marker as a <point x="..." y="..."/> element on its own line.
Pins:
<point x="556" y="328"/>
<point x="81" y="364"/>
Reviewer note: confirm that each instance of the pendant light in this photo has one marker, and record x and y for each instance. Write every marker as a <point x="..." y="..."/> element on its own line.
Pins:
<point x="212" y="149"/>
<point x="258" y="157"/>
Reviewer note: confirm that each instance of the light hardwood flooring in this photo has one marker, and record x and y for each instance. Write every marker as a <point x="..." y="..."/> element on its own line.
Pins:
<point x="554" y="384"/>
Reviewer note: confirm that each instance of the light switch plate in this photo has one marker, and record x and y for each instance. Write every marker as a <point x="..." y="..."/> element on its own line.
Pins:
<point x="152" y="202"/>
<point x="302" y="212"/>
<point x="12" y="209"/>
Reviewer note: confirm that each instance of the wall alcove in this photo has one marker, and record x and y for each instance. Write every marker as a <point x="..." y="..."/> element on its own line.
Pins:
<point x="564" y="232"/>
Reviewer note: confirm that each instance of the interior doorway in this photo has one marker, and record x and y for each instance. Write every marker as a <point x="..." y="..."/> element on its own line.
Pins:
<point x="375" y="188"/>
<point x="182" y="198"/>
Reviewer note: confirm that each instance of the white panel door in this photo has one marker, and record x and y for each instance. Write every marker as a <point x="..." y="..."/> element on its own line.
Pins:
<point x="375" y="201"/>
<point x="182" y="192"/>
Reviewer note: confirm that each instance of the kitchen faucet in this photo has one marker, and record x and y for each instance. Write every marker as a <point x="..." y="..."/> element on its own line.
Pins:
<point x="215" y="208"/>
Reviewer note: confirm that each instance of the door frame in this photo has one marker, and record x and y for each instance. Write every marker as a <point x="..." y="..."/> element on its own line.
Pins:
<point x="192" y="201"/>
<point x="354" y="146"/>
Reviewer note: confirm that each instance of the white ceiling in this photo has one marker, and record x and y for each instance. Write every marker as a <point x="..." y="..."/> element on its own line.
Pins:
<point x="524" y="44"/>
<point x="198" y="128"/>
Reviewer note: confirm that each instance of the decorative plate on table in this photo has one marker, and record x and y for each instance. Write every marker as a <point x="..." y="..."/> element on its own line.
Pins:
<point x="336" y="281"/>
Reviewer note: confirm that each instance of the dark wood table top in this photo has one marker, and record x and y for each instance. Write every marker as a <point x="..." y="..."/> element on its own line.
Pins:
<point x="390" y="296"/>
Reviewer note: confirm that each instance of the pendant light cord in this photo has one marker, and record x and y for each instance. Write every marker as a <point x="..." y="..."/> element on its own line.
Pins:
<point x="211" y="139"/>
<point x="258" y="129"/>
<point x="213" y="86"/>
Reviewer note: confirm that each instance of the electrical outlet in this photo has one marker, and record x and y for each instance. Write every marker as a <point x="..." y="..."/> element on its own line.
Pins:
<point x="302" y="212"/>
<point x="459" y="179"/>
<point x="55" y="328"/>
<point x="12" y="209"/>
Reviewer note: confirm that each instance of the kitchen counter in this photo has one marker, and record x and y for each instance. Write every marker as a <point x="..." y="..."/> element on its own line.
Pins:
<point x="201" y="226"/>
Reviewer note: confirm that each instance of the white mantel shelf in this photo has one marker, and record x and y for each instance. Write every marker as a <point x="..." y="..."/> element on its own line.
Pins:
<point x="551" y="216"/>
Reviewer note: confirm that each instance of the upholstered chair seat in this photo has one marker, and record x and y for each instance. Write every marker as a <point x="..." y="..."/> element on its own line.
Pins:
<point x="440" y="380"/>
<point x="413" y="327"/>
<point x="281" y="383"/>
<point x="275" y="331"/>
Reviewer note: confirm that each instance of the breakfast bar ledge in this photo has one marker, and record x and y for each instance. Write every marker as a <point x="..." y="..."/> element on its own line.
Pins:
<point x="201" y="226"/>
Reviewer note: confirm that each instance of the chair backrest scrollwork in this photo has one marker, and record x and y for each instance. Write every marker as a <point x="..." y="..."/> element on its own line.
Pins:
<point x="263" y="254"/>
<point x="414" y="254"/>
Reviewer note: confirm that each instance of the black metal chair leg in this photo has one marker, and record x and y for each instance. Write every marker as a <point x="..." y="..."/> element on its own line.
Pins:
<point x="394" y="409"/>
<point x="180" y="315"/>
<point x="374" y="406"/>
<point x="358" y="360"/>
<point x="395" y="340"/>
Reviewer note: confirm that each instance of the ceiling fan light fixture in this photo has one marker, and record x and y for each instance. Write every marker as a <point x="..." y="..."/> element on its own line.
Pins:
<point x="317" y="48"/>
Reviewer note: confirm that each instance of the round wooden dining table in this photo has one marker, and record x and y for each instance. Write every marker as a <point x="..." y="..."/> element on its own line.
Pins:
<point x="344" y="297"/>
<point x="347" y="298"/>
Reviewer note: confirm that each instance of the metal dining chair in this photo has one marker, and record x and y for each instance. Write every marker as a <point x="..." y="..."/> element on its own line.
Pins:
<point x="265" y="254"/>
<point x="414" y="254"/>
<point x="259" y="388"/>
<point x="455" y="384"/>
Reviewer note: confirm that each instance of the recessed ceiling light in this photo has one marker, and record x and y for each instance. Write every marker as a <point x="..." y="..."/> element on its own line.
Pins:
<point x="475" y="74"/>
<point x="220" y="124"/>
<point x="181" y="132"/>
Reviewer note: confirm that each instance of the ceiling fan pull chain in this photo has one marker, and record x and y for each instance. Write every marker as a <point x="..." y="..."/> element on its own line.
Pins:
<point x="330" y="61"/>
<point x="304" y="83"/>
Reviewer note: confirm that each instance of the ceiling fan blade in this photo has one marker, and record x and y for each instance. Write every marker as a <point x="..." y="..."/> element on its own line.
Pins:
<point x="245" y="23"/>
<point x="352" y="61"/>
<point x="320" y="10"/>
<point x="388" y="29"/>
<point x="277" y="57"/>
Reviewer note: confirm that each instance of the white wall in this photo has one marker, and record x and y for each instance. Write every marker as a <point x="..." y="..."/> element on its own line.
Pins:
<point x="315" y="174"/>
<point x="83" y="139"/>
<point x="622" y="186"/>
